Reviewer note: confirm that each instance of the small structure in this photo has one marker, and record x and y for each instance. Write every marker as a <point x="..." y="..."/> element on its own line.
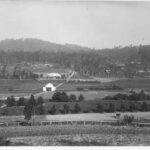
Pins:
<point x="49" y="87"/>
<point x="52" y="75"/>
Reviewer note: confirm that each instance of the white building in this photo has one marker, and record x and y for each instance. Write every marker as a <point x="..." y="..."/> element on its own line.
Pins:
<point x="49" y="87"/>
<point x="52" y="75"/>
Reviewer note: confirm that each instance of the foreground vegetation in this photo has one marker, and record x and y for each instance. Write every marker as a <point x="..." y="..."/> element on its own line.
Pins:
<point x="76" y="136"/>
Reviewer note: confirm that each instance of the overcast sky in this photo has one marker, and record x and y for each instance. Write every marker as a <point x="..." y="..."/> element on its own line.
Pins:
<point x="92" y="24"/>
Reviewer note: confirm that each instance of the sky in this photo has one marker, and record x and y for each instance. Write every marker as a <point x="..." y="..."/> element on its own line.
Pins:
<point x="93" y="24"/>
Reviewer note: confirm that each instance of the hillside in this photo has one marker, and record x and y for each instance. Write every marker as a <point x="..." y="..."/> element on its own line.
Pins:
<point x="33" y="45"/>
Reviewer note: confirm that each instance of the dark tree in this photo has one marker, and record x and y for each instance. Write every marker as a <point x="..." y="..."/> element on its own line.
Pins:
<point x="144" y="106"/>
<point x="53" y="110"/>
<point x="72" y="98"/>
<point x="77" y="108"/>
<point x="111" y="107"/>
<point x="122" y="108"/>
<point x="40" y="101"/>
<point x="10" y="101"/>
<point x="29" y="108"/>
<point x="40" y="109"/>
<point x="128" y="119"/>
<point x="60" y="97"/>
<point x="132" y="107"/>
<point x="81" y="98"/>
<point x="99" y="108"/>
<point x="21" y="101"/>
<point x="66" y="109"/>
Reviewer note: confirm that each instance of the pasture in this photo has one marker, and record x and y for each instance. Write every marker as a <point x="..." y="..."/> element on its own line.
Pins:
<point x="77" y="135"/>
<point x="77" y="117"/>
<point x="88" y="95"/>
<point x="137" y="83"/>
<point x="102" y="138"/>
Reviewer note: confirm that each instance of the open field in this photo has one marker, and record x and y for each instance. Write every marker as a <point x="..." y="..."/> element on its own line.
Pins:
<point x="88" y="95"/>
<point x="86" y="106"/>
<point x="102" y="139"/>
<point x="77" y="136"/>
<point x="78" y="117"/>
<point x="139" y="83"/>
<point x="28" y="87"/>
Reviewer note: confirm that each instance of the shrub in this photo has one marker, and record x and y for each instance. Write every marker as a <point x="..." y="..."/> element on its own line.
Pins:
<point x="132" y="107"/>
<point x="60" y="97"/>
<point x="66" y="109"/>
<point x="40" y="109"/>
<point x="144" y="106"/>
<point x="128" y="119"/>
<point x="10" y="101"/>
<point x="77" y="108"/>
<point x="21" y="101"/>
<point x="122" y="108"/>
<point x="111" y="107"/>
<point x="72" y="98"/>
<point x="99" y="108"/>
<point x="81" y="98"/>
<point x="53" y="110"/>
<point x="40" y="101"/>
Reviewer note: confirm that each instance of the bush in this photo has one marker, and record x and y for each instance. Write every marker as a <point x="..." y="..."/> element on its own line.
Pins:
<point x="21" y="101"/>
<point x="81" y="98"/>
<point x="122" y="108"/>
<point x="40" y="109"/>
<point x="99" y="108"/>
<point x="66" y="109"/>
<point x="10" y="101"/>
<point x="77" y="108"/>
<point x="144" y="106"/>
<point x="60" y="97"/>
<point x="40" y="101"/>
<point x="111" y="107"/>
<point x="72" y="98"/>
<point x="132" y="107"/>
<point x="128" y="119"/>
<point x="53" y="110"/>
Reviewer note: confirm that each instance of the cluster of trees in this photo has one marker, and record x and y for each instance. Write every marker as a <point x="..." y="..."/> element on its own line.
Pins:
<point x="84" y="59"/>
<point x="11" y="101"/>
<point x="16" y="73"/>
<point x="33" y="107"/>
<point x="123" y="108"/>
<point x="133" y="96"/>
<point x="65" y="110"/>
<point x="63" y="97"/>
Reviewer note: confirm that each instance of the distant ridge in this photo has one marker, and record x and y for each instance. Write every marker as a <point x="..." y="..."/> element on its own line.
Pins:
<point x="30" y="44"/>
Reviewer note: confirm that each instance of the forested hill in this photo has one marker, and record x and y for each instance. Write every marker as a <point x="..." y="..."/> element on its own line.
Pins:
<point x="12" y="50"/>
<point x="33" y="45"/>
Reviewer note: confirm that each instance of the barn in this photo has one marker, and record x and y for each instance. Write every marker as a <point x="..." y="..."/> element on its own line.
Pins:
<point x="49" y="87"/>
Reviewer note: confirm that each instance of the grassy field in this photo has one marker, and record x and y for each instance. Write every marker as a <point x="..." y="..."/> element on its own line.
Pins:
<point x="101" y="139"/>
<point x="88" y="95"/>
<point x="66" y="117"/>
<point x="77" y="136"/>
<point x="133" y="83"/>
<point x="27" y="87"/>
<point x="86" y="106"/>
<point x="78" y="117"/>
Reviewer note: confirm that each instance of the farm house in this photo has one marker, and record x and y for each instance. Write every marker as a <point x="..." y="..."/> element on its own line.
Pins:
<point x="49" y="87"/>
<point x="52" y="75"/>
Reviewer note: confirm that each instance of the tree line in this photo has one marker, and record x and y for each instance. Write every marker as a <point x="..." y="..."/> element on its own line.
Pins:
<point x="133" y="96"/>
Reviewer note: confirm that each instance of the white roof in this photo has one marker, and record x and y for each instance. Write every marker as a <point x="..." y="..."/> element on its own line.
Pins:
<point x="54" y="74"/>
<point x="49" y="85"/>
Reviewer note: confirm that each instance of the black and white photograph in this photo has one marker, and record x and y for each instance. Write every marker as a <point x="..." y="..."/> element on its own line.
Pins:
<point x="74" y="73"/>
